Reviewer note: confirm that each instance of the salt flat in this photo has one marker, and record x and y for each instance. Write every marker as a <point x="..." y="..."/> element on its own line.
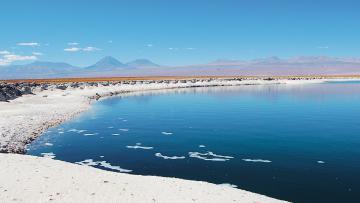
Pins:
<point x="37" y="179"/>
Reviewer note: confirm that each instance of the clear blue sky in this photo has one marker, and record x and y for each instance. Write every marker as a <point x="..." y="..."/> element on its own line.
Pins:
<point x="178" y="32"/>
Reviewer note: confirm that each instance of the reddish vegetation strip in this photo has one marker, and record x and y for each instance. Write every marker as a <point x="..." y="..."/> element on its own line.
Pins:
<point x="104" y="79"/>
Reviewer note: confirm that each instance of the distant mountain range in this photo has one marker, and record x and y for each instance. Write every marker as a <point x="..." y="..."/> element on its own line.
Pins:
<point x="107" y="63"/>
<point x="110" y="66"/>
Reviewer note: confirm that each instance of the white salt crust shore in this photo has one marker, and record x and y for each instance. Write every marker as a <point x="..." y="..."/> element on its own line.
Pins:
<point x="36" y="179"/>
<point x="27" y="117"/>
<point x="32" y="179"/>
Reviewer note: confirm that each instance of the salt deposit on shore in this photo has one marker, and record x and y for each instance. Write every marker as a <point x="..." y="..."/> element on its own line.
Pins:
<point x="37" y="179"/>
<point x="26" y="117"/>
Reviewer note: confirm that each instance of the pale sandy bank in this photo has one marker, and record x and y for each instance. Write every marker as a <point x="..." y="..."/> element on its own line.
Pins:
<point x="36" y="179"/>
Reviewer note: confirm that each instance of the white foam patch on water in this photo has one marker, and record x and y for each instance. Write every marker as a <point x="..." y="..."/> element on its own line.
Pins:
<point x="111" y="127"/>
<point x="209" y="156"/>
<point x="228" y="185"/>
<point x="202" y="146"/>
<point x="87" y="162"/>
<point x="257" y="160"/>
<point x="138" y="146"/>
<point x="124" y="120"/>
<point x="116" y="168"/>
<point x="49" y="155"/>
<point x="61" y="132"/>
<point x="169" y="157"/>
<point x="90" y="134"/>
<point x="166" y="133"/>
<point x="124" y="129"/>
<point x="115" y="134"/>
<point x="76" y="130"/>
<point x="48" y="144"/>
<point x="90" y="162"/>
<point x="320" y="162"/>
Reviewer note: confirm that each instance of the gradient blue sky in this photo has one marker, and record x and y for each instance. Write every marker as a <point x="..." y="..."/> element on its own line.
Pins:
<point x="198" y="31"/>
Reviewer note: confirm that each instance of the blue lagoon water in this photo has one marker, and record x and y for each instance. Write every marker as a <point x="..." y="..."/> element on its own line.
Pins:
<point x="293" y="142"/>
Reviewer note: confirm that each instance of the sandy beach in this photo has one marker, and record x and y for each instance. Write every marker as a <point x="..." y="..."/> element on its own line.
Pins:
<point x="37" y="179"/>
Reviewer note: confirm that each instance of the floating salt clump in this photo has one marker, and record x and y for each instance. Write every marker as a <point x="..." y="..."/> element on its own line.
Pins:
<point x="87" y="162"/>
<point x="111" y="127"/>
<point x="90" y="162"/>
<point x="169" y="157"/>
<point x="49" y="155"/>
<point x="89" y="134"/>
<point x="48" y="144"/>
<point x="166" y="133"/>
<point x="115" y="134"/>
<point x="209" y="156"/>
<point x="116" y="168"/>
<point x="228" y="185"/>
<point x="77" y="131"/>
<point x="124" y="129"/>
<point x="202" y="146"/>
<point x="61" y="132"/>
<point x="138" y="146"/>
<point x="320" y="162"/>
<point x="257" y="160"/>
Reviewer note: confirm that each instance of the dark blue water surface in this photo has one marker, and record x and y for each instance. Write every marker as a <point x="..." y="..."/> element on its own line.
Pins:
<point x="293" y="142"/>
